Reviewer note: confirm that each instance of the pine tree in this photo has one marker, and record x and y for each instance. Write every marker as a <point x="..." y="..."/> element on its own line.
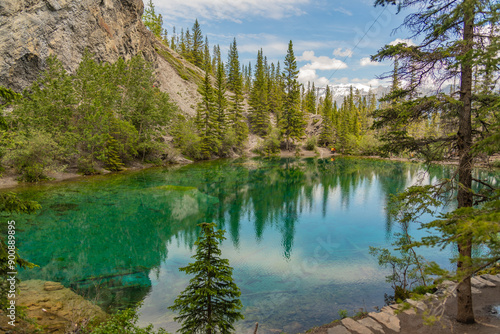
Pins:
<point x="452" y="32"/>
<point x="210" y="303"/>
<point x="235" y="84"/>
<point x="220" y="98"/>
<point x="326" y="136"/>
<point x="310" y="99"/>
<point x="206" y="118"/>
<point x="233" y="66"/>
<point x="153" y="21"/>
<point x="259" y="118"/>
<point x="197" y="45"/>
<point x="292" y="123"/>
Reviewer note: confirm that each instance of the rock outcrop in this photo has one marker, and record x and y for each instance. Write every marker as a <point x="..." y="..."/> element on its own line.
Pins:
<point x="54" y="308"/>
<point x="32" y="30"/>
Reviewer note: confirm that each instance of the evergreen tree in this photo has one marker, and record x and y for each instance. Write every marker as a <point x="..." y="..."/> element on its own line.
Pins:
<point x="188" y="53"/>
<point x="292" y="123"/>
<point x="452" y="33"/>
<point x="259" y="118"/>
<point x="206" y="118"/>
<point x="326" y="136"/>
<point x="173" y="43"/>
<point x="220" y="98"/>
<point x="233" y="67"/>
<point x="310" y="99"/>
<point x="235" y="84"/>
<point x="153" y="21"/>
<point x="182" y="44"/>
<point x="210" y="303"/>
<point x="197" y="45"/>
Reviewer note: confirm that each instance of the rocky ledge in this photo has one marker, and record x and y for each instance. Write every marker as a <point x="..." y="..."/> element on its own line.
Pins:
<point x="54" y="308"/>
<point x="410" y="316"/>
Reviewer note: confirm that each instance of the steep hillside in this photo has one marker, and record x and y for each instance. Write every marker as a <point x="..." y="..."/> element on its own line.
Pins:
<point x="32" y="30"/>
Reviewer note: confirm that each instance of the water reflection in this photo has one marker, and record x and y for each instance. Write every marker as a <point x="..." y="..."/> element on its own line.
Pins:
<point x="298" y="234"/>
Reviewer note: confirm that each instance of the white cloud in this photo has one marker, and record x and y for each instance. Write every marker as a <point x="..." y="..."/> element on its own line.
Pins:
<point x="275" y="47"/>
<point x="231" y="10"/>
<point x="307" y="75"/>
<point x="308" y="71"/>
<point x="343" y="11"/>
<point x="367" y="62"/>
<point x="320" y="63"/>
<point x="408" y="42"/>
<point x="340" y="52"/>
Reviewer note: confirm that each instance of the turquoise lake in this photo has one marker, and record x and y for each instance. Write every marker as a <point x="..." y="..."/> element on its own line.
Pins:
<point x="297" y="231"/>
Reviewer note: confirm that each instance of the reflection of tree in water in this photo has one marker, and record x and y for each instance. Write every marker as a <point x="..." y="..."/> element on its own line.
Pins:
<point x="117" y="229"/>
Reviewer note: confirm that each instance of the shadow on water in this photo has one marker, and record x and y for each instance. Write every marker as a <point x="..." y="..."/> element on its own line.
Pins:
<point x="298" y="234"/>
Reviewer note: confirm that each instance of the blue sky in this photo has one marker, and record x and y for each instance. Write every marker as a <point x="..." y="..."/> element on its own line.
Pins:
<point x="332" y="40"/>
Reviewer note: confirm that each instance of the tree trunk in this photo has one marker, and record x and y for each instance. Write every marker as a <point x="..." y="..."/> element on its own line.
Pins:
<point x="465" y="313"/>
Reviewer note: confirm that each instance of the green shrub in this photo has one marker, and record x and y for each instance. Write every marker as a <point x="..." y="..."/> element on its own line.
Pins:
<point x="31" y="154"/>
<point x="270" y="145"/>
<point x="186" y="139"/>
<point x="123" y="322"/>
<point x="229" y="142"/>
<point x="311" y="143"/>
<point x="342" y="314"/>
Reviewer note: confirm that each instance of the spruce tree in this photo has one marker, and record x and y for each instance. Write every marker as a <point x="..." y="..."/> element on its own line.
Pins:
<point x="220" y="96"/>
<point x="326" y="136"/>
<point x="153" y="21"/>
<point x="292" y="123"/>
<point x="452" y="45"/>
<point x="210" y="303"/>
<point x="233" y="66"/>
<point x="235" y="84"/>
<point x="206" y="118"/>
<point x="258" y="99"/>
<point x="197" y="45"/>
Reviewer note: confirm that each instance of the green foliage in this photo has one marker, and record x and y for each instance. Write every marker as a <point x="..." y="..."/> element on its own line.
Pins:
<point x="343" y="314"/>
<point x="237" y="121"/>
<point x="123" y="322"/>
<point x="405" y="272"/>
<point x="259" y="117"/>
<point x="153" y="21"/>
<point x="311" y="143"/>
<point x="210" y="303"/>
<point x="196" y="52"/>
<point x="31" y="154"/>
<point x="207" y="120"/>
<point x="292" y="122"/>
<point x="104" y="115"/>
<point x="271" y="145"/>
<point x="186" y="138"/>
<point x="9" y="202"/>
<point x="327" y="113"/>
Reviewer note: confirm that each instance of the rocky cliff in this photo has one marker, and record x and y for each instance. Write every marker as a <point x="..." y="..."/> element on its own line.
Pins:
<point x="32" y="30"/>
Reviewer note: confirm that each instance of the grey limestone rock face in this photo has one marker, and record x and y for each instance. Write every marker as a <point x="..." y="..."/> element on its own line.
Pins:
<point x="32" y="30"/>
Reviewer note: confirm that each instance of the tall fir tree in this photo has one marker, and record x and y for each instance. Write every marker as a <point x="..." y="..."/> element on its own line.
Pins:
<point x="233" y="66"/>
<point x="154" y="21"/>
<point x="326" y="136"/>
<point x="259" y="117"/>
<point x="197" y="54"/>
<point x="292" y="122"/>
<point x="210" y="302"/>
<point x="235" y="83"/>
<point x="220" y="95"/>
<point x="206" y="118"/>
<point x="452" y="45"/>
